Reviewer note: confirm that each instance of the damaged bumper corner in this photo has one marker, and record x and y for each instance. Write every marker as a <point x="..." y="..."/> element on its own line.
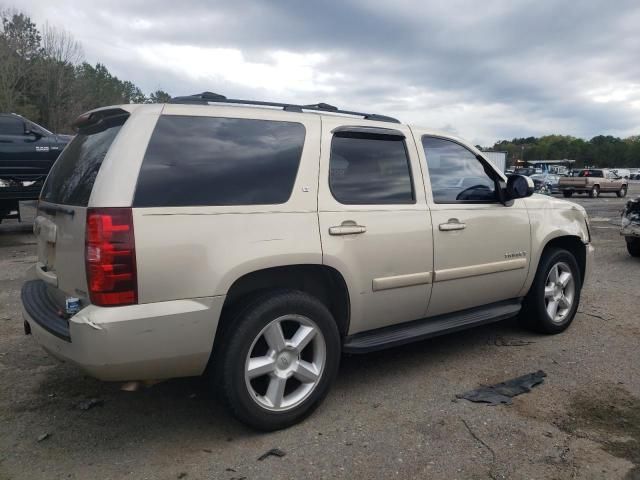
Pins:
<point x="137" y="342"/>
<point x="629" y="228"/>
<point x="630" y="225"/>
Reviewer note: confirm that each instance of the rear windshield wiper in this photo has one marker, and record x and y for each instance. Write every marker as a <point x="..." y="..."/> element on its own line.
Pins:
<point x="55" y="209"/>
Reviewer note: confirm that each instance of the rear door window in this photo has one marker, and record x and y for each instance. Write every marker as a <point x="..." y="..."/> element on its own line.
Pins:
<point x="197" y="161"/>
<point x="71" y="179"/>
<point x="366" y="169"/>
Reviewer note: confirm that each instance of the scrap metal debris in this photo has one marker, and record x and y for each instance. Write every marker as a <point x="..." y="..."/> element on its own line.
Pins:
<point x="500" y="341"/>
<point x="501" y="393"/>
<point x="42" y="437"/>
<point x="592" y="315"/>
<point x="90" y="403"/>
<point x="275" y="452"/>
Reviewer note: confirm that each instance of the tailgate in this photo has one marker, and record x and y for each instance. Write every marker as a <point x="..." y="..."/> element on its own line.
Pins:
<point x="60" y="223"/>
<point x="60" y="233"/>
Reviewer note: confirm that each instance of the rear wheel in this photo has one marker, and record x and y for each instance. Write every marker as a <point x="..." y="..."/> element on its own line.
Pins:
<point x="567" y="194"/>
<point x="279" y="359"/>
<point x="553" y="299"/>
<point x="622" y="192"/>
<point x="633" y="246"/>
<point x="595" y="192"/>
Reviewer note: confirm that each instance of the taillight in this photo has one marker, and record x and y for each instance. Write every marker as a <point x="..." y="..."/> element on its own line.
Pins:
<point x="110" y="257"/>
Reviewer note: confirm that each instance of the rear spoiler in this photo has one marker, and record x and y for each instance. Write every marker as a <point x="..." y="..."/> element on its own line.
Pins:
<point x="96" y="117"/>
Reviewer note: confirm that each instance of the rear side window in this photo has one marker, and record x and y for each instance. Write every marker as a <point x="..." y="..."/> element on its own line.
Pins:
<point x="71" y="179"/>
<point x="11" y="126"/>
<point x="366" y="169"/>
<point x="192" y="161"/>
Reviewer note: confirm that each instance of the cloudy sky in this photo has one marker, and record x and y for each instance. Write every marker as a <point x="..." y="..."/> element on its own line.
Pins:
<point x="485" y="70"/>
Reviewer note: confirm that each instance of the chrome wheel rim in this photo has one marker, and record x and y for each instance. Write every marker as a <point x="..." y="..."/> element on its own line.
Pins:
<point x="285" y="362"/>
<point x="559" y="292"/>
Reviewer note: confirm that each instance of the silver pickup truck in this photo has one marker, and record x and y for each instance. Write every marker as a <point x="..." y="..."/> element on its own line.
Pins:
<point x="594" y="182"/>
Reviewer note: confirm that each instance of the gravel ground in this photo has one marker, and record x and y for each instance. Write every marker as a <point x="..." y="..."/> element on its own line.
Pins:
<point x="391" y="414"/>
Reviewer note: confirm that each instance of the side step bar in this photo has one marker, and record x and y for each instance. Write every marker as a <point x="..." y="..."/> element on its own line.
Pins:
<point x="407" y="332"/>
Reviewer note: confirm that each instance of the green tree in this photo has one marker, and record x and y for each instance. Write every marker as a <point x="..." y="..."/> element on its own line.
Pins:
<point x="19" y="48"/>
<point x="159" y="96"/>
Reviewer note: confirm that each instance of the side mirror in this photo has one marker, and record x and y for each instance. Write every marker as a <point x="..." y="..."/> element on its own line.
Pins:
<point x="31" y="133"/>
<point x="519" y="186"/>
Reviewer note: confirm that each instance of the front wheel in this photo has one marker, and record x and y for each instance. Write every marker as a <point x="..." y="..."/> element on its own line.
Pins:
<point x="633" y="246"/>
<point x="278" y="359"/>
<point x="622" y="192"/>
<point x="552" y="301"/>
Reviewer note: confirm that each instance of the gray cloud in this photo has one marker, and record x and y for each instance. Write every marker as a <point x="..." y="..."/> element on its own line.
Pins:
<point x="490" y="70"/>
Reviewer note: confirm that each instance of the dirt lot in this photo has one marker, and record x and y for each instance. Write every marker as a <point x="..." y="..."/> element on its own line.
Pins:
<point x="390" y="415"/>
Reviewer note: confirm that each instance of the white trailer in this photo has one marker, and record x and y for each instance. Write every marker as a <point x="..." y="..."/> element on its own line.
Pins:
<point x="498" y="159"/>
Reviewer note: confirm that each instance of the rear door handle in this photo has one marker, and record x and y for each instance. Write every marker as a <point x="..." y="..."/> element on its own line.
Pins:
<point x="452" y="224"/>
<point x="348" y="227"/>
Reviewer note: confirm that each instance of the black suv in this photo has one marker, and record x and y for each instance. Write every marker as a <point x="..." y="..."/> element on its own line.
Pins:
<point x="27" y="152"/>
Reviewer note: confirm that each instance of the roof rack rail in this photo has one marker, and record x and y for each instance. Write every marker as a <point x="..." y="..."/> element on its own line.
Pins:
<point x="205" y="98"/>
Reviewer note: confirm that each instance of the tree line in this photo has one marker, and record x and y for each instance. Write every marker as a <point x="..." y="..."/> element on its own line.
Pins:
<point x="601" y="151"/>
<point x="43" y="75"/>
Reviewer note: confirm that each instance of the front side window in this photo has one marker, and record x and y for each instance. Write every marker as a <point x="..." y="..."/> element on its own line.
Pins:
<point x="199" y="161"/>
<point x="366" y="169"/>
<point x="457" y="176"/>
<point x="11" y="126"/>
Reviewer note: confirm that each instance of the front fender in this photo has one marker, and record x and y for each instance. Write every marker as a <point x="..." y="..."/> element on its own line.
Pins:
<point x="552" y="218"/>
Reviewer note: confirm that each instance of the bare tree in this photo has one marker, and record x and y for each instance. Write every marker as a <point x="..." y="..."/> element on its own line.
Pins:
<point x="60" y="53"/>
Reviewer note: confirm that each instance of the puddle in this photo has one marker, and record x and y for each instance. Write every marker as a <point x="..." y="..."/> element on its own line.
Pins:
<point x="610" y="418"/>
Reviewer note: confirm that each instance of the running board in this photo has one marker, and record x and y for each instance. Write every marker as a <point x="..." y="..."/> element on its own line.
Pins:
<point x="407" y="332"/>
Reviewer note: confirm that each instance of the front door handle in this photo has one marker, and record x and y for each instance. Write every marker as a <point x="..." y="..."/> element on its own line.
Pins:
<point x="348" y="227"/>
<point x="452" y="224"/>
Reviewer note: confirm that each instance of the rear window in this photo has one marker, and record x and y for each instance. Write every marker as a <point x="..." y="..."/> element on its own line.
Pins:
<point x="196" y="161"/>
<point x="72" y="176"/>
<point x="591" y="173"/>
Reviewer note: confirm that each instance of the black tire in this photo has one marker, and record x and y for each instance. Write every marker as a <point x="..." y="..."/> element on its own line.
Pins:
<point x="534" y="313"/>
<point x="633" y="246"/>
<point x="622" y="192"/>
<point x="567" y="194"/>
<point x="594" y="192"/>
<point x="249" y="322"/>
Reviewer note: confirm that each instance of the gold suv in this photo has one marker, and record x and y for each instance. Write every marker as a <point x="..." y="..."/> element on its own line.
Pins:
<point x="254" y="242"/>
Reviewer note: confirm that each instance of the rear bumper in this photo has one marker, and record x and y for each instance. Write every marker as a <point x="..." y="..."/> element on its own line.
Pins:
<point x="19" y="192"/>
<point x="136" y="342"/>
